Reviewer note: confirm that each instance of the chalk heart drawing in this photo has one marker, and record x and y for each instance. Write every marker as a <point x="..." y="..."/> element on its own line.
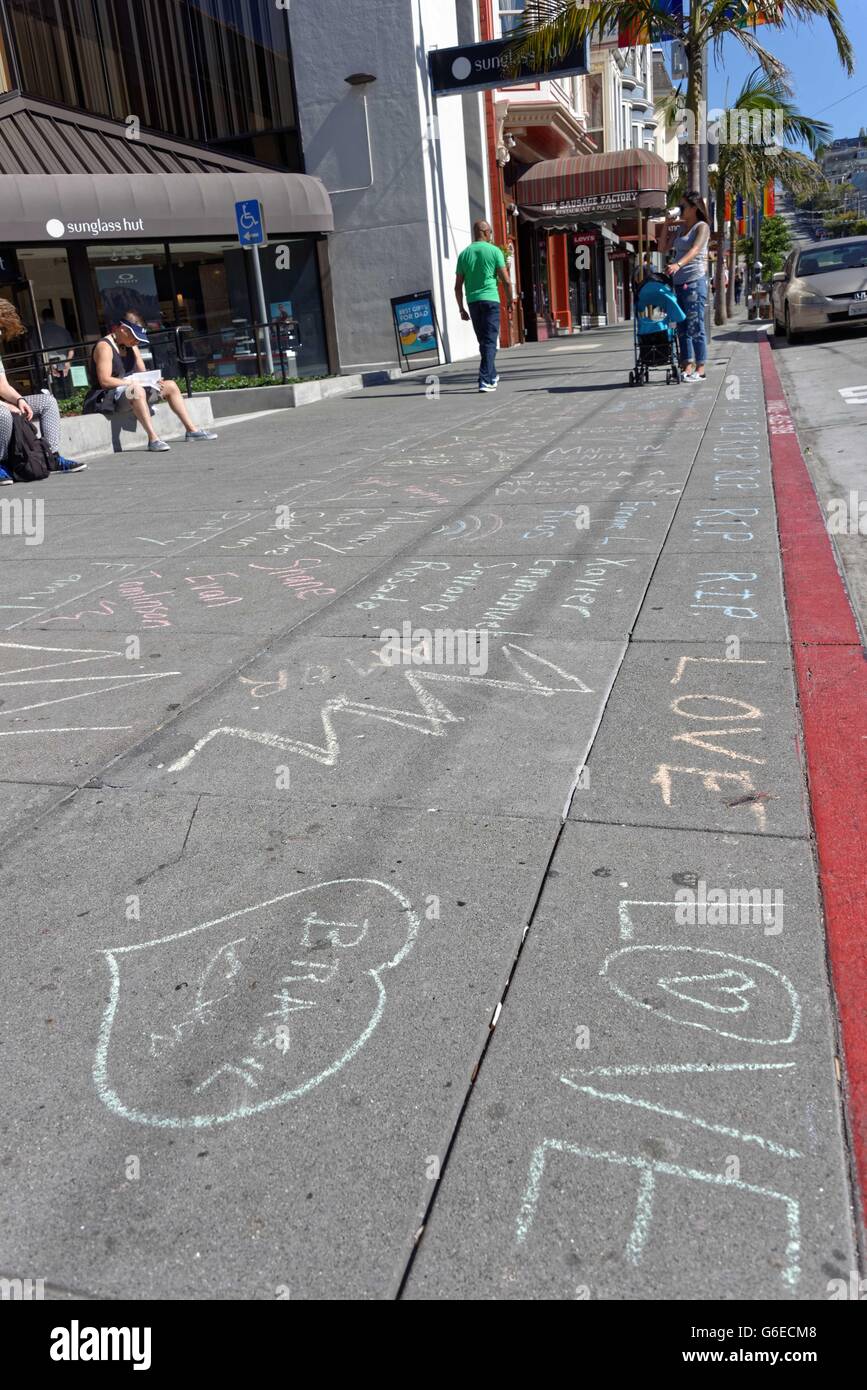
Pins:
<point x="252" y="1010"/>
<point x="733" y="996"/>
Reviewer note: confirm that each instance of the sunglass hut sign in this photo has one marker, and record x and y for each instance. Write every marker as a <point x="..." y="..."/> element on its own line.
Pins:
<point x="97" y="228"/>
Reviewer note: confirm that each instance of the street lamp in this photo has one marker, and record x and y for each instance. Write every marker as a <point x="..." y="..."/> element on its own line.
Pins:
<point x="362" y="80"/>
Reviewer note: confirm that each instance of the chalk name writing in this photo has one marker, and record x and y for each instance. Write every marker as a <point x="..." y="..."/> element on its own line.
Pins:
<point x="54" y="586"/>
<point x="209" y="592"/>
<point x="593" y="577"/>
<point x="712" y="587"/>
<point x="296" y="578"/>
<point x="509" y="602"/>
<point x="149" y="606"/>
<point x="333" y="533"/>
<point x="463" y="583"/>
<point x="626" y="512"/>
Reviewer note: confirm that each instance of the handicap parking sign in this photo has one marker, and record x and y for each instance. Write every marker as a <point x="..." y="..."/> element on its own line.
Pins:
<point x="250" y="218"/>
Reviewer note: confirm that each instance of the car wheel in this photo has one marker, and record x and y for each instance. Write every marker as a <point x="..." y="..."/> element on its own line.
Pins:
<point x="791" y="334"/>
<point x="779" y="328"/>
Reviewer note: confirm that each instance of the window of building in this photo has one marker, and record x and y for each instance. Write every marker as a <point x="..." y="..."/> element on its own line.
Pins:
<point x="511" y="14"/>
<point x="215" y="72"/>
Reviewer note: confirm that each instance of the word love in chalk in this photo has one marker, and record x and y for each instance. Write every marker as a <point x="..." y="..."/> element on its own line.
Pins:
<point x="280" y="997"/>
<point x="419" y="646"/>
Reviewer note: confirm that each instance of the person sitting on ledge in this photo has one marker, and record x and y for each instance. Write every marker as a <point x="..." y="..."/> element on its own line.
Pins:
<point x="116" y="357"/>
<point x="42" y="406"/>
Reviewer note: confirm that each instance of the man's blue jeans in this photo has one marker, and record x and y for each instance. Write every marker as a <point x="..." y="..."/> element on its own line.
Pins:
<point x="693" y="342"/>
<point x="485" y="315"/>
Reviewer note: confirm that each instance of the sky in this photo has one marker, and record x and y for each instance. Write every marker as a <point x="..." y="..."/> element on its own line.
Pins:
<point x="820" y="83"/>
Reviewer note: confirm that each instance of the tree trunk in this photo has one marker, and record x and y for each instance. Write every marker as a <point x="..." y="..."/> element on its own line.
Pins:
<point x="694" y="90"/>
<point x="719" y="317"/>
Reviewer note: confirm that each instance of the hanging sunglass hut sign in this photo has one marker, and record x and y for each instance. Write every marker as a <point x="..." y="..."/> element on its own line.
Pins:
<point x="478" y="67"/>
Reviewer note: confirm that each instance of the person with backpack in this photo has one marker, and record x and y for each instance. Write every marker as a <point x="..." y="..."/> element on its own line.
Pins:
<point x="36" y="457"/>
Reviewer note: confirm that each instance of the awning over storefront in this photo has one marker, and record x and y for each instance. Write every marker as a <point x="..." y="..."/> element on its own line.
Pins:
<point x="113" y="207"/>
<point x="562" y="193"/>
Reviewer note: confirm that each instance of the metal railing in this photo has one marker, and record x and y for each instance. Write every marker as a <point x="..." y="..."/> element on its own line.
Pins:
<point x="50" y="368"/>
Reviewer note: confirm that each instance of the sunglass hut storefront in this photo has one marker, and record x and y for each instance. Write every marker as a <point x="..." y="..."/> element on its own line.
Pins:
<point x="83" y="250"/>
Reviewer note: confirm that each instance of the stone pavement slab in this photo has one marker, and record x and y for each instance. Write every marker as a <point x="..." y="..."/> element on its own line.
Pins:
<point x="225" y="1088"/>
<point x="694" y="739"/>
<point x="73" y="701"/>
<point x="325" y="719"/>
<point x="709" y="598"/>
<point x="658" y="1114"/>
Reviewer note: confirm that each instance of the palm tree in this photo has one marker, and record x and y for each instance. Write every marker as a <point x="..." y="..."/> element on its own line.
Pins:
<point x="551" y="25"/>
<point x="747" y="165"/>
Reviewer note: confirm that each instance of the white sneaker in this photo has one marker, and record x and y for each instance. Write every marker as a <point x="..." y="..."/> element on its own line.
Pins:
<point x="158" y="446"/>
<point x="488" y="386"/>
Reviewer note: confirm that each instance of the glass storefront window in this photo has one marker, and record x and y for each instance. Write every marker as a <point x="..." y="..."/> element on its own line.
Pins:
<point x="137" y="278"/>
<point x="212" y="296"/>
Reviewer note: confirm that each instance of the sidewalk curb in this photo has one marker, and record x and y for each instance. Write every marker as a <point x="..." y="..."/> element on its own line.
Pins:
<point x="831" y="673"/>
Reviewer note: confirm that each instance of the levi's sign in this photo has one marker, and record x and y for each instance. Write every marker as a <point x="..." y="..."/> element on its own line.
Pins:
<point x="477" y="66"/>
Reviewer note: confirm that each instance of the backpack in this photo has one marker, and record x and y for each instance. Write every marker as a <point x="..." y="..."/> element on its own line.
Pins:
<point x="28" y="458"/>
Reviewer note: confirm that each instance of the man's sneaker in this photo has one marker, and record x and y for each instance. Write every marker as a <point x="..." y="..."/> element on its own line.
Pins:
<point x="201" y="434"/>
<point x="487" y="386"/>
<point x="5" y="480"/>
<point x="158" y="446"/>
<point x="68" y="465"/>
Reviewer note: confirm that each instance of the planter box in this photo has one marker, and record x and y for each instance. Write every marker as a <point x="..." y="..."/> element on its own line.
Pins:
<point x="247" y="399"/>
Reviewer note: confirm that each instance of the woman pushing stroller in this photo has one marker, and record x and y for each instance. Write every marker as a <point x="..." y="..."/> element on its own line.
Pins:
<point x="690" y="236"/>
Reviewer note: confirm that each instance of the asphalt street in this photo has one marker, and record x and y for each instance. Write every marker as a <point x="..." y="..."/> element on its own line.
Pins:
<point x="222" y="811"/>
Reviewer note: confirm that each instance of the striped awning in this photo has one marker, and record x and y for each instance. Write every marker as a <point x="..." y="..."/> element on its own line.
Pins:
<point x="593" y="185"/>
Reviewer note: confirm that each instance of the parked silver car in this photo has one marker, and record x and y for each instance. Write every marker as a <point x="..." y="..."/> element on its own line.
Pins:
<point x="824" y="285"/>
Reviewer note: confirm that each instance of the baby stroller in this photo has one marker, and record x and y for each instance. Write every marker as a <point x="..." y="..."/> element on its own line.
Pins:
<point x="657" y="314"/>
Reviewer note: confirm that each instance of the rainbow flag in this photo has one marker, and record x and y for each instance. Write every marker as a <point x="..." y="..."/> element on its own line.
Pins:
<point x="632" y="32"/>
<point x="740" y="215"/>
<point x="755" y="12"/>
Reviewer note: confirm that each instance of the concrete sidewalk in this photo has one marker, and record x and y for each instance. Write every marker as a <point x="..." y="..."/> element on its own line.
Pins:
<point x="267" y="895"/>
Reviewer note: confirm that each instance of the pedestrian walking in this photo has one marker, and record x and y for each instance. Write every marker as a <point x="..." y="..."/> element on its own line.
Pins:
<point x="689" y="272"/>
<point x="481" y="270"/>
<point x="739" y="285"/>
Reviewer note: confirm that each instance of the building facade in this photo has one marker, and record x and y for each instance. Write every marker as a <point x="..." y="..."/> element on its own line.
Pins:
<point x="127" y="135"/>
<point x="405" y="170"/>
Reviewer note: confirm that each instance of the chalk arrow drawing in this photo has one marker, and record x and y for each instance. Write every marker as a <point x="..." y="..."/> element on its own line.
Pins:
<point x="172" y="1062"/>
<point x="430" y="719"/>
<point x="98" y="685"/>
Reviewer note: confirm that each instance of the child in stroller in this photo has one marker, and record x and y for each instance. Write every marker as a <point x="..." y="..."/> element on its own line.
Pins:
<point x="657" y="314"/>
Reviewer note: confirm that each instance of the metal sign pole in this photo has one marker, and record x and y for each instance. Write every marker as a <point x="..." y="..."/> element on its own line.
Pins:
<point x="262" y="309"/>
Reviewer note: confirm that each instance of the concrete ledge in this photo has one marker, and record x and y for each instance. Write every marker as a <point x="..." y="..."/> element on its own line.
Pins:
<point x="248" y="399"/>
<point x="81" y="435"/>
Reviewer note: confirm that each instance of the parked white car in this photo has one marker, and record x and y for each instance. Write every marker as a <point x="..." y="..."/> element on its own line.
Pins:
<point x="824" y="285"/>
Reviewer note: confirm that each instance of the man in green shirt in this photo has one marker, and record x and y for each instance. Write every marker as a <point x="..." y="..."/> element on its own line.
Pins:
<point x="481" y="270"/>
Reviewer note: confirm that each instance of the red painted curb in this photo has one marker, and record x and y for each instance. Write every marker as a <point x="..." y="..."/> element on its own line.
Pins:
<point x="831" y="672"/>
